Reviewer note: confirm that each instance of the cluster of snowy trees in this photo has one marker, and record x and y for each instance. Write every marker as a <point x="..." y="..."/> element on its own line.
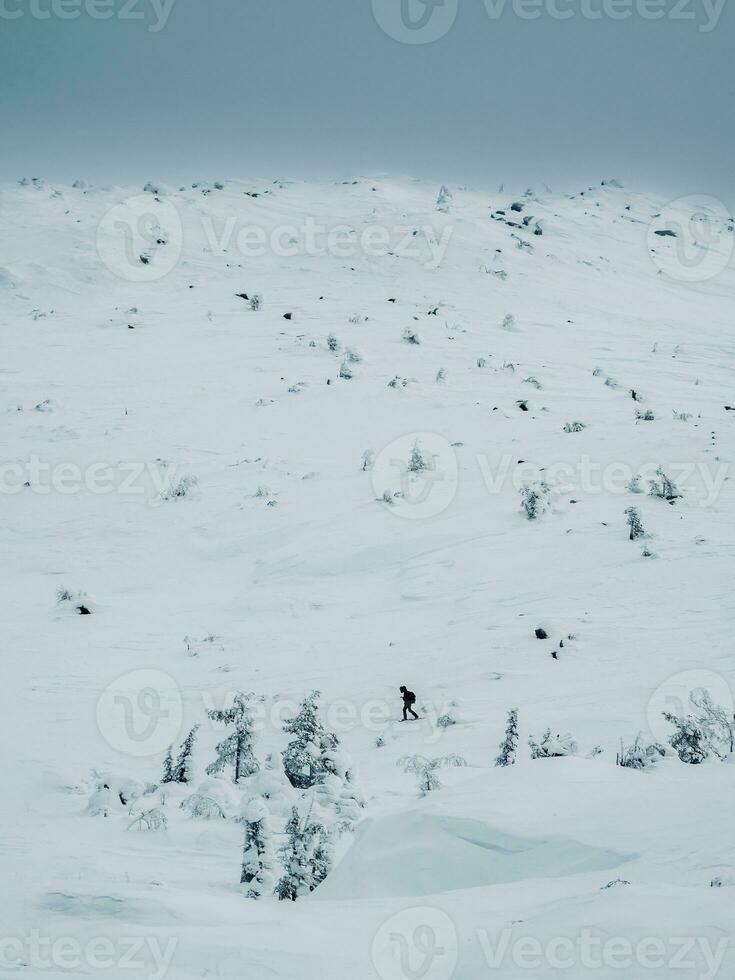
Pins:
<point x="707" y="731"/>
<point x="292" y="806"/>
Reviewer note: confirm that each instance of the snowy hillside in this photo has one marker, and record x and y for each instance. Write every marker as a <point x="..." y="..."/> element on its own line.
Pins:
<point x="277" y="437"/>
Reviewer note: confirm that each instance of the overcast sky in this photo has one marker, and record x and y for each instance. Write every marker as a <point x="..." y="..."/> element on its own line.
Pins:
<point x="317" y="88"/>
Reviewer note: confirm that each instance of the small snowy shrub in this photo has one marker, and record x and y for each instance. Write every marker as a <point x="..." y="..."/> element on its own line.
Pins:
<point x="417" y="461"/>
<point x="535" y="500"/>
<point x="412" y="336"/>
<point x="444" y="200"/>
<point x="153" y="819"/>
<point x="646" y="416"/>
<point x="441" y="376"/>
<point x="345" y="371"/>
<point x="332" y="343"/>
<point x="635" y="523"/>
<point x="574" y="426"/>
<point x="509" y="322"/>
<point x="663" y="487"/>
<point x="638" y="755"/>
<point x="368" y="459"/>
<point x="426" y="769"/>
<point x="202" y="807"/>
<point x="688" y="740"/>
<point x="180" y="488"/>
<point x="552" y="746"/>
<point x="256" y="302"/>
<point x="449" y="717"/>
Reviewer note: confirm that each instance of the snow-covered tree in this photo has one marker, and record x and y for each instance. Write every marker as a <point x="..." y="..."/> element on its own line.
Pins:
<point x="717" y="725"/>
<point x="509" y="745"/>
<point x="168" y="766"/>
<point x="256" y="873"/>
<point x="237" y="749"/>
<point x="635" y="523"/>
<point x="182" y="771"/>
<point x="311" y="753"/>
<point x="304" y="858"/>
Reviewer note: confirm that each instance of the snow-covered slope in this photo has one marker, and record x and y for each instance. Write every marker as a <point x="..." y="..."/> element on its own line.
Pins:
<point x="296" y="550"/>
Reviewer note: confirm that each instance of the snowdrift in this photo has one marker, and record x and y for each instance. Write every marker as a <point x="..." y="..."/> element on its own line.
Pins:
<point x="416" y="853"/>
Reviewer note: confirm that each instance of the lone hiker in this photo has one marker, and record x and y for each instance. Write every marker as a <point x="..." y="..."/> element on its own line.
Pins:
<point x="409" y="699"/>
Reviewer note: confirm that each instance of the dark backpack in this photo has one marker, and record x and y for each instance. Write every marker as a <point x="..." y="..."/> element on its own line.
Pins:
<point x="409" y="697"/>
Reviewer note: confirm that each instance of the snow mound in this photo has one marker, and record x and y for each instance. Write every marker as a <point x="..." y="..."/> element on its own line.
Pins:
<point x="417" y="853"/>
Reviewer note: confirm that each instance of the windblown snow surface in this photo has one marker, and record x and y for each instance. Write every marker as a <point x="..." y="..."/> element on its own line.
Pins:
<point x="284" y="559"/>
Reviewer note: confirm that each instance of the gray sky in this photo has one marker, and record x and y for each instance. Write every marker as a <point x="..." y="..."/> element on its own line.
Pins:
<point x="315" y="88"/>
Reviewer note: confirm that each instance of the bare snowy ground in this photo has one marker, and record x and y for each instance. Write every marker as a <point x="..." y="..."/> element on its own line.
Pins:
<point x="133" y="372"/>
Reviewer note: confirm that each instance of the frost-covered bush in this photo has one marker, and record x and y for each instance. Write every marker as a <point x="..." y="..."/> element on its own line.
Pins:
<point x="179" y="488"/>
<point x="153" y="819"/>
<point x="535" y="500"/>
<point x="332" y="343"/>
<point x="202" y="807"/>
<point x="345" y="371"/>
<point x="449" y="717"/>
<point x="645" y="416"/>
<point x="550" y="746"/>
<point x="509" y="746"/>
<point x="256" y="302"/>
<point x="688" y="740"/>
<point x="444" y="199"/>
<point x="574" y="426"/>
<point x="426" y="769"/>
<point x="368" y="459"/>
<point x="441" y="376"/>
<point x="663" y="487"/>
<point x="417" y="461"/>
<point x="77" y="602"/>
<point x="412" y="336"/>
<point x="639" y="755"/>
<point x="509" y="322"/>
